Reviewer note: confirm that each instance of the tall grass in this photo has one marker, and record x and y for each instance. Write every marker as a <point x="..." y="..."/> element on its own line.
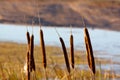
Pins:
<point x="12" y="66"/>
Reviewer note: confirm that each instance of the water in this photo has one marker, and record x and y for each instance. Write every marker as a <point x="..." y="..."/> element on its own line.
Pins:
<point x="106" y="44"/>
<point x="105" y="41"/>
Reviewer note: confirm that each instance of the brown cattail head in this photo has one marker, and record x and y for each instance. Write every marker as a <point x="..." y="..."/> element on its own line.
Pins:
<point x="32" y="62"/>
<point x="72" y="51"/>
<point x="65" y="54"/>
<point x="43" y="48"/>
<point x="28" y="37"/>
<point x="89" y="51"/>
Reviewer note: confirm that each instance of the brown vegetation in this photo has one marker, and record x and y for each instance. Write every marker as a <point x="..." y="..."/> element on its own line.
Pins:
<point x="89" y="51"/>
<point x="97" y="13"/>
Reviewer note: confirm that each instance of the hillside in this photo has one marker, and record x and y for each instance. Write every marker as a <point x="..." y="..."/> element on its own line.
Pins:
<point x="97" y="13"/>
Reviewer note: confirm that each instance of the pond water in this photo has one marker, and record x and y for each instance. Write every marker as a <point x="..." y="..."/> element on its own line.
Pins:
<point x="105" y="42"/>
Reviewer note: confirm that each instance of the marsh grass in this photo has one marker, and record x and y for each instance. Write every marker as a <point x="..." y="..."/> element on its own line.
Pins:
<point x="12" y="68"/>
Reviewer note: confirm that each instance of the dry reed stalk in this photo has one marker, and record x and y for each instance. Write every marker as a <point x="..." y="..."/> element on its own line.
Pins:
<point x="89" y="51"/>
<point x="72" y="51"/>
<point x="32" y="62"/>
<point x="28" y="56"/>
<point x="65" y="54"/>
<point x="28" y="66"/>
<point x="43" y="49"/>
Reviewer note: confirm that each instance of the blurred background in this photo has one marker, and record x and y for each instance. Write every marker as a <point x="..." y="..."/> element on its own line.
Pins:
<point x="103" y="14"/>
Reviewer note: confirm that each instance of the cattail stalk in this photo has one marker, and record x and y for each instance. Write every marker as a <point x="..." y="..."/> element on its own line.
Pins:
<point x="43" y="51"/>
<point x="89" y="51"/>
<point x="43" y="48"/>
<point x="72" y="51"/>
<point x="32" y="62"/>
<point x="28" y="66"/>
<point x="65" y="54"/>
<point x="28" y="55"/>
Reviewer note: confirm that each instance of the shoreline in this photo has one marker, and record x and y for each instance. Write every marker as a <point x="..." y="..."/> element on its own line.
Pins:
<point x="37" y="25"/>
<point x="77" y="52"/>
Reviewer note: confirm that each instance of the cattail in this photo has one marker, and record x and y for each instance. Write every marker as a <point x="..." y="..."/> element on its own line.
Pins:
<point x="32" y="62"/>
<point x="65" y="54"/>
<point x="28" y="37"/>
<point x="28" y="66"/>
<point x="89" y="51"/>
<point x="72" y="51"/>
<point x="43" y="48"/>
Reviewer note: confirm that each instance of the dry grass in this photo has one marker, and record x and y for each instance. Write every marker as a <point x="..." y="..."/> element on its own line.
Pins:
<point x="13" y="56"/>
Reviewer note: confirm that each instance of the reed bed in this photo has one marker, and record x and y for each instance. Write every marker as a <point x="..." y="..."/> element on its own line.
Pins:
<point x="12" y="64"/>
<point x="58" y="72"/>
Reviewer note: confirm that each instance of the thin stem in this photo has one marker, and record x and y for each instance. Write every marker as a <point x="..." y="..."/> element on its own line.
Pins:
<point x="32" y="26"/>
<point x="71" y="29"/>
<point x="45" y="74"/>
<point x="38" y="15"/>
<point x="84" y="24"/>
<point x="25" y="23"/>
<point x="57" y="32"/>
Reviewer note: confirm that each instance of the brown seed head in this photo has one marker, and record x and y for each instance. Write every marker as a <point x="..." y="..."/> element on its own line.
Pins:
<point x="32" y="62"/>
<point x="89" y="51"/>
<point x="43" y="48"/>
<point x="72" y="51"/>
<point x="65" y="54"/>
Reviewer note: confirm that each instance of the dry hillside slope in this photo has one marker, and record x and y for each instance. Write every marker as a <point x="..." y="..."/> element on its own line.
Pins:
<point x="97" y="13"/>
